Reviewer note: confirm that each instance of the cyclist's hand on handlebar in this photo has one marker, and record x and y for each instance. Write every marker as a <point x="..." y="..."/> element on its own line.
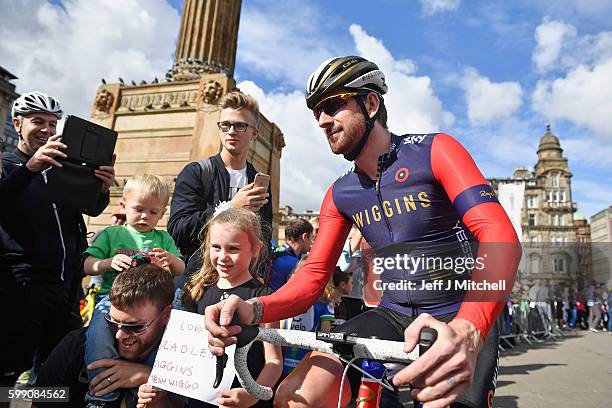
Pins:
<point x="236" y="397"/>
<point x="445" y="372"/>
<point x="217" y="321"/>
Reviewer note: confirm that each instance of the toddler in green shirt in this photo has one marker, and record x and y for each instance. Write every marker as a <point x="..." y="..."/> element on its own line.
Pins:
<point x="144" y="201"/>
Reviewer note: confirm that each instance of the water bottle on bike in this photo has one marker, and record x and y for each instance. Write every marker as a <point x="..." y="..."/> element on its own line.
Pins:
<point x="370" y="389"/>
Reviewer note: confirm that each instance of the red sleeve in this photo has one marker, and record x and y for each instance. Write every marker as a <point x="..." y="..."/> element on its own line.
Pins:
<point x="308" y="284"/>
<point x="455" y="170"/>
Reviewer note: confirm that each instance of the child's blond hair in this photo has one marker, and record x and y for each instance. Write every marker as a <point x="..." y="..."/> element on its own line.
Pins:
<point x="149" y="185"/>
<point x="245" y="220"/>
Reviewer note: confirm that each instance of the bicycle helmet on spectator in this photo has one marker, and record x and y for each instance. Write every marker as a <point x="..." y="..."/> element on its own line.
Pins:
<point x="343" y="75"/>
<point x="31" y="102"/>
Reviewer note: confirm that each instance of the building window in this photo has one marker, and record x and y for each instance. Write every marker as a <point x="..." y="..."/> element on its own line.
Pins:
<point x="558" y="241"/>
<point x="532" y="201"/>
<point x="554" y="219"/>
<point x="534" y="240"/>
<point x="562" y="220"/>
<point x="555" y="180"/>
<point x="559" y="265"/>
<point x="549" y="195"/>
<point x="563" y="196"/>
<point x="535" y="264"/>
<point x="532" y="220"/>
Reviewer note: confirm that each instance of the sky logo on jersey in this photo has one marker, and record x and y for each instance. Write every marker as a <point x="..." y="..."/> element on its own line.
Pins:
<point x="402" y="174"/>
<point x="414" y="139"/>
<point x="398" y="206"/>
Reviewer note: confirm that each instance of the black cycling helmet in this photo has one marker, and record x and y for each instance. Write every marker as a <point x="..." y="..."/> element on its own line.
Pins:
<point x="347" y="74"/>
<point x="344" y="74"/>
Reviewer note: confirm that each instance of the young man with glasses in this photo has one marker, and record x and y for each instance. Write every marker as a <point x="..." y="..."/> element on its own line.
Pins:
<point x="415" y="196"/>
<point x="221" y="180"/>
<point x="141" y="300"/>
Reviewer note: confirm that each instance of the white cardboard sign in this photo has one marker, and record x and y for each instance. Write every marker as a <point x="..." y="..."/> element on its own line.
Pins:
<point x="184" y="365"/>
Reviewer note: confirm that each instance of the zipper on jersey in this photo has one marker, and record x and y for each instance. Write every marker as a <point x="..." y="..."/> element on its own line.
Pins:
<point x="59" y="227"/>
<point x="381" y="160"/>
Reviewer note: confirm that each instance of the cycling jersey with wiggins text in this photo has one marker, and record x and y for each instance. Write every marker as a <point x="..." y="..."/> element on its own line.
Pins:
<point x="429" y="200"/>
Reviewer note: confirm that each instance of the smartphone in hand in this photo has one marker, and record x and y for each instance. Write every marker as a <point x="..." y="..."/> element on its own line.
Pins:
<point x="261" y="180"/>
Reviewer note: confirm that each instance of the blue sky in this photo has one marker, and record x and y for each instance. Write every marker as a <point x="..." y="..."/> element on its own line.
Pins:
<point x="490" y="73"/>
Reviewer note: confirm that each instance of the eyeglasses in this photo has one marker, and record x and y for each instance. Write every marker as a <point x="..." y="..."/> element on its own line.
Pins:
<point x="238" y="126"/>
<point x="332" y="105"/>
<point x="129" y="328"/>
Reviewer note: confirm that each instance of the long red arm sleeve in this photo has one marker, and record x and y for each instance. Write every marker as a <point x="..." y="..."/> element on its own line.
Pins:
<point x="456" y="171"/>
<point x="308" y="284"/>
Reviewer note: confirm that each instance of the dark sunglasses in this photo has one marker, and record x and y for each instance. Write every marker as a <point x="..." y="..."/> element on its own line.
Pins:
<point x="238" y="126"/>
<point x="130" y="329"/>
<point x="332" y="105"/>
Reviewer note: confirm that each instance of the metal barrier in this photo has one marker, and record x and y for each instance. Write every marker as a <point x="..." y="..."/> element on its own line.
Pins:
<point x="529" y="322"/>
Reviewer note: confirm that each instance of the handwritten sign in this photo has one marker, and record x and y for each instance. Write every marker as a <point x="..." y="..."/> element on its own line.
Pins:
<point x="184" y="365"/>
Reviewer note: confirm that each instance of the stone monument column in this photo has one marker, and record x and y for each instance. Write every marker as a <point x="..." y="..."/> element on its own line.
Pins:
<point x="207" y="40"/>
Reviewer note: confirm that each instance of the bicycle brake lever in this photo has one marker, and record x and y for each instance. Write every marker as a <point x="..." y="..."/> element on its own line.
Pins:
<point x="247" y="335"/>
<point x="427" y="338"/>
<point x="220" y="366"/>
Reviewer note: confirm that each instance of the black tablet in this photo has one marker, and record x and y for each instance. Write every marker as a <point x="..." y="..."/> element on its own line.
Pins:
<point x="89" y="147"/>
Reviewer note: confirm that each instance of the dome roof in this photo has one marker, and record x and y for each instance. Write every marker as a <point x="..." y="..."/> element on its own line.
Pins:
<point x="550" y="142"/>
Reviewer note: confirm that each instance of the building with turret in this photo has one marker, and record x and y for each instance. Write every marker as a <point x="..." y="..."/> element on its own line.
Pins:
<point x="601" y="238"/>
<point x="8" y="135"/>
<point x="547" y="228"/>
<point x="164" y="125"/>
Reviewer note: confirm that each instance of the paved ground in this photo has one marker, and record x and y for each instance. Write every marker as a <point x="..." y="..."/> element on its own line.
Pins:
<point x="575" y="371"/>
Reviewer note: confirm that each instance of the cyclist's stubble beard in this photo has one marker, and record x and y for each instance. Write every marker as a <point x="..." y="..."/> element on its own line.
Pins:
<point x="350" y="133"/>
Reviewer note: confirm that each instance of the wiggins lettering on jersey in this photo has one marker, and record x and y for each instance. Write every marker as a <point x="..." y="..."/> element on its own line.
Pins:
<point x="403" y="205"/>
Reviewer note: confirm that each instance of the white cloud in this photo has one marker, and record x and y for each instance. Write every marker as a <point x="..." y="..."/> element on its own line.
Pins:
<point x="549" y="38"/>
<point x="598" y="198"/>
<point x="500" y="148"/>
<point x="588" y="152"/>
<point x="308" y="166"/>
<point x="431" y="7"/>
<point x="589" y="12"/>
<point x="281" y="43"/>
<point x="65" y="51"/>
<point x="558" y="47"/>
<point x="583" y="96"/>
<point x="488" y="101"/>
<point x="411" y="103"/>
<point x="582" y="92"/>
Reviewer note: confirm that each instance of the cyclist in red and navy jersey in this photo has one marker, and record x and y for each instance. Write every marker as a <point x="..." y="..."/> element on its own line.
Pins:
<point x="419" y="195"/>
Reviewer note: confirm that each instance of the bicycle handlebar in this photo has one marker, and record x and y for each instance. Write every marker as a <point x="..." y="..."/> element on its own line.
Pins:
<point x="330" y="343"/>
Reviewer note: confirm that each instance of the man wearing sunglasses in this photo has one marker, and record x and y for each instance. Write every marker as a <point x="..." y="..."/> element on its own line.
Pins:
<point x="408" y="195"/>
<point x="223" y="179"/>
<point x="141" y="300"/>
